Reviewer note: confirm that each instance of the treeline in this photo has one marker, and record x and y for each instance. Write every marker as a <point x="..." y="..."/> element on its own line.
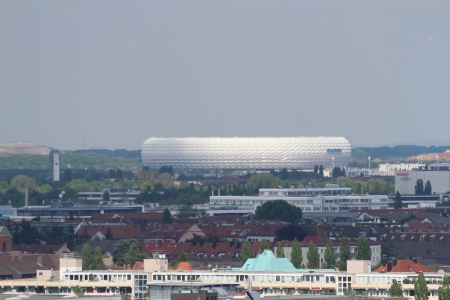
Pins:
<point x="122" y="153"/>
<point x="27" y="234"/>
<point x="400" y="151"/>
<point x="75" y="160"/>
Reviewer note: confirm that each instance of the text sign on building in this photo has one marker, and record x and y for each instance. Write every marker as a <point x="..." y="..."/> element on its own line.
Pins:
<point x="404" y="175"/>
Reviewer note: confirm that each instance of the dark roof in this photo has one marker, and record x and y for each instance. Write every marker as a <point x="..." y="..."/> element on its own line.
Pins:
<point x="28" y="264"/>
<point x="37" y="248"/>
<point x="105" y="245"/>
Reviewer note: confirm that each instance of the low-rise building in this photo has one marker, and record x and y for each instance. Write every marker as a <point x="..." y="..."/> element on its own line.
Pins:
<point x="265" y="274"/>
<point x="331" y="198"/>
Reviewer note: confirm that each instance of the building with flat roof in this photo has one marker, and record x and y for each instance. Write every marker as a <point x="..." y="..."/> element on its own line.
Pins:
<point x="269" y="279"/>
<point x="74" y="211"/>
<point x="331" y="198"/>
<point x="246" y="153"/>
<point x="438" y="174"/>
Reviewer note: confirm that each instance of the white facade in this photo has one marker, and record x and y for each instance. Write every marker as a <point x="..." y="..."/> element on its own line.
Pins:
<point x="439" y="177"/>
<point x="391" y="169"/>
<point x="246" y="153"/>
<point x="308" y="199"/>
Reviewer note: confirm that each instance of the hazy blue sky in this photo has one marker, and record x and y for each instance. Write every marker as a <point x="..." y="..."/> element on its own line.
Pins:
<point x="119" y="72"/>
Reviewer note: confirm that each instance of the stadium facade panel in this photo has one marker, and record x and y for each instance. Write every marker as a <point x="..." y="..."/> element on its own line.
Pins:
<point x="240" y="153"/>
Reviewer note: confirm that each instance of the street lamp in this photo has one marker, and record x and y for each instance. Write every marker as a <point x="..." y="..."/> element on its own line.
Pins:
<point x="369" y="162"/>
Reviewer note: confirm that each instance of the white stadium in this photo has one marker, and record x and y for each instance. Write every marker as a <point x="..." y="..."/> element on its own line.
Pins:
<point x="246" y="153"/>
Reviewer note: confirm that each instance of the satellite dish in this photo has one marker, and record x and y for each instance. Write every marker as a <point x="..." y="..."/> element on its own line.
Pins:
<point x="160" y="256"/>
<point x="163" y="256"/>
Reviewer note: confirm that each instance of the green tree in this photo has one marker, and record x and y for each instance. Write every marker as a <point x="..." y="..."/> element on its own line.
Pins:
<point x="419" y="187"/>
<point x="444" y="290"/>
<point x="122" y="248"/>
<point x="359" y="154"/>
<point x="86" y="255"/>
<point x="364" y="251"/>
<point x="313" y="256"/>
<point x="398" y="200"/>
<point x="329" y="255"/>
<point x="133" y="255"/>
<point x="396" y="289"/>
<point x="320" y="171"/>
<point x="246" y="252"/>
<point x="21" y="182"/>
<point x="14" y="197"/>
<point x="97" y="261"/>
<point x="166" y="217"/>
<point x="109" y="235"/>
<point x="78" y="291"/>
<point x="427" y="189"/>
<point x="67" y="176"/>
<point x="263" y="246"/>
<point x="296" y="254"/>
<point x="345" y="254"/>
<point x="420" y="288"/>
<point x="264" y="180"/>
<point x="279" y="210"/>
<point x="386" y="250"/>
<point x="280" y="250"/>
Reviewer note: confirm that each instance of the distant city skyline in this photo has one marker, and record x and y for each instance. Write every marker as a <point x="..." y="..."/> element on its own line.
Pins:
<point x="106" y="74"/>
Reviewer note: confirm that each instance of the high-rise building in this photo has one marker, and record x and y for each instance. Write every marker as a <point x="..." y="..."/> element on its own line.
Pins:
<point x="54" y="165"/>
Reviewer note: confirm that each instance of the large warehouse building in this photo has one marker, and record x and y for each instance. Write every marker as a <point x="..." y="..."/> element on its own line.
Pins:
<point x="438" y="174"/>
<point x="239" y="153"/>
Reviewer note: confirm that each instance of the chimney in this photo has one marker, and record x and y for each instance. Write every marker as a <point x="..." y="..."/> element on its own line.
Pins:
<point x="415" y="260"/>
<point x="389" y="266"/>
<point x="394" y="262"/>
<point x="40" y="260"/>
<point x="320" y="231"/>
<point x="384" y="260"/>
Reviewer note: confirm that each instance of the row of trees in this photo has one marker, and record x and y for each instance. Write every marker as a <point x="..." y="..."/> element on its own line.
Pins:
<point x="312" y="257"/>
<point x="420" y="189"/>
<point x="27" y="234"/>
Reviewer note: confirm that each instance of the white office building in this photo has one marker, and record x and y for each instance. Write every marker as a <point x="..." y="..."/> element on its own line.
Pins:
<point x="331" y="198"/>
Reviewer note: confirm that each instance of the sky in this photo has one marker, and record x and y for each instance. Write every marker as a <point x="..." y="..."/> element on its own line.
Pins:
<point x="110" y="74"/>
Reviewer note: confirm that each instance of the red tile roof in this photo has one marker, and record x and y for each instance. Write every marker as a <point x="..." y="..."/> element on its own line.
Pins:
<point x="205" y="250"/>
<point x="163" y="248"/>
<point x="402" y="265"/>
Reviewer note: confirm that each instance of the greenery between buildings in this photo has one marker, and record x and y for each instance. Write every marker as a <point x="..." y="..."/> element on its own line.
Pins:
<point x="396" y="289"/>
<point x="246" y="252"/>
<point x="313" y="256"/>
<point x="280" y="250"/>
<point x="363" y="248"/>
<point x="420" y="288"/>
<point x="296" y="254"/>
<point x="329" y="255"/>
<point x="279" y="210"/>
<point x="345" y="254"/>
